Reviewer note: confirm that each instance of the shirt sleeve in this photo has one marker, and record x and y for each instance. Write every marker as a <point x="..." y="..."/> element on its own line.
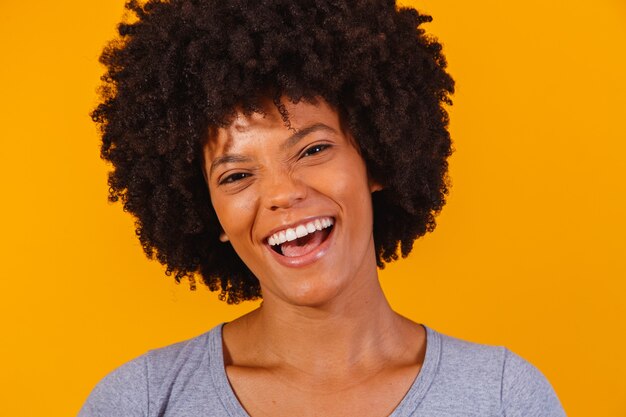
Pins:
<point x="525" y="390"/>
<point x="122" y="393"/>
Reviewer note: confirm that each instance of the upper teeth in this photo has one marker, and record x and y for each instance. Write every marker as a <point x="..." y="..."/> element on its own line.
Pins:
<point x="290" y="234"/>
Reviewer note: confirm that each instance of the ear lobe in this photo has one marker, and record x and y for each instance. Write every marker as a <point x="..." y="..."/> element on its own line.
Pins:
<point x="375" y="186"/>
<point x="223" y="237"/>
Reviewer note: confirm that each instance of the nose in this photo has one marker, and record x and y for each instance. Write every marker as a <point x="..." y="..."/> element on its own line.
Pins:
<point x="282" y="191"/>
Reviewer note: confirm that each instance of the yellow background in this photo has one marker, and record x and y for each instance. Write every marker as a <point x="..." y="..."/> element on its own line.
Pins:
<point x="529" y="252"/>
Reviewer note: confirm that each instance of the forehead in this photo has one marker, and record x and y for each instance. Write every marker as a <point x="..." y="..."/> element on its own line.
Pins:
<point x="244" y="127"/>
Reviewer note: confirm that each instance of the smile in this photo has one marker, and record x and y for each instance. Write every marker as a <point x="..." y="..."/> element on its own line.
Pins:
<point x="302" y="243"/>
<point x="291" y="234"/>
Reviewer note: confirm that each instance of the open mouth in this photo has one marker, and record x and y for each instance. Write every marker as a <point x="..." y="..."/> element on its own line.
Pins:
<point x="301" y="240"/>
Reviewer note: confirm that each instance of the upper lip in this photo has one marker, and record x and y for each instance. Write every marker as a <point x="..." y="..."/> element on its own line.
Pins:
<point x="294" y="225"/>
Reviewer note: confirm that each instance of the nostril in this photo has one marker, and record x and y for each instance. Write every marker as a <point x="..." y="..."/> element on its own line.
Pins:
<point x="285" y="200"/>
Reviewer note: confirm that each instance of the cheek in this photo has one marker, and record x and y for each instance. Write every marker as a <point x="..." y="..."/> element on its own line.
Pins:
<point x="234" y="214"/>
<point x="347" y="184"/>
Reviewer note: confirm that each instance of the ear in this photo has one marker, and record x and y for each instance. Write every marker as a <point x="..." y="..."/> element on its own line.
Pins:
<point x="374" y="186"/>
<point x="223" y="237"/>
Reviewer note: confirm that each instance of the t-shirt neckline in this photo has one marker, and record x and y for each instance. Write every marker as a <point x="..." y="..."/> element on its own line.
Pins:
<point x="405" y="407"/>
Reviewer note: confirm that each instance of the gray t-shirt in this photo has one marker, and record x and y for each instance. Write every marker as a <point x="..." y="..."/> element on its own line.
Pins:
<point x="458" y="378"/>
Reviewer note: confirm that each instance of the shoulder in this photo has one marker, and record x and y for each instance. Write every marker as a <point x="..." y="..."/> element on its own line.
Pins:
<point x="526" y="391"/>
<point x="123" y="392"/>
<point x="468" y="377"/>
<point x="131" y="389"/>
<point x="495" y="378"/>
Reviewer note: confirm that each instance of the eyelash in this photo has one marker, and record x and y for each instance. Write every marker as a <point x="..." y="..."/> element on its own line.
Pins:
<point x="234" y="178"/>
<point x="238" y="176"/>
<point x="320" y="146"/>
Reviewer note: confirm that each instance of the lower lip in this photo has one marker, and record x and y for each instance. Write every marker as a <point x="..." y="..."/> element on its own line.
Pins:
<point x="304" y="260"/>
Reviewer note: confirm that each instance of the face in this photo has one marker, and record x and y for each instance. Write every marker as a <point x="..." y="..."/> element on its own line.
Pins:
<point x="294" y="203"/>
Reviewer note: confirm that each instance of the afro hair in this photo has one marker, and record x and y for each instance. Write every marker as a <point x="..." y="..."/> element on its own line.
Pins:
<point x="181" y="66"/>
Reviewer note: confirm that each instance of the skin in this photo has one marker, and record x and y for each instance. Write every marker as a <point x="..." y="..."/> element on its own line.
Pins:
<point x="325" y="341"/>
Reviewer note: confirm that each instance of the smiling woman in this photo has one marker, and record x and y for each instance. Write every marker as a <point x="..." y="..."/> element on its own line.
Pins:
<point x="286" y="150"/>
<point x="294" y="203"/>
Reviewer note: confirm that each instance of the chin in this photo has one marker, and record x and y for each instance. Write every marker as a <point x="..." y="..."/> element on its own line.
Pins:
<point x="310" y="294"/>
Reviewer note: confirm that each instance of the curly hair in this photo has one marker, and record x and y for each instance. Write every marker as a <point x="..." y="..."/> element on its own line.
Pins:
<point x="182" y="66"/>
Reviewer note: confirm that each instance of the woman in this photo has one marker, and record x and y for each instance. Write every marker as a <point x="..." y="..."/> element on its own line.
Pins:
<point x="285" y="150"/>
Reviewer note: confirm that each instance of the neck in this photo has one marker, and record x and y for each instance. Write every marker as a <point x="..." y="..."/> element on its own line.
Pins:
<point x="359" y="330"/>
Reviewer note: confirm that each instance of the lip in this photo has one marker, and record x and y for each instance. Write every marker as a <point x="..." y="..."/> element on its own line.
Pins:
<point x="309" y="258"/>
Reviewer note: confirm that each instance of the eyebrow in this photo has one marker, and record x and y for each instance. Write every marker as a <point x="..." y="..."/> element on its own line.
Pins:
<point x="296" y="137"/>
<point x="291" y="141"/>
<point x="226" y="159"/>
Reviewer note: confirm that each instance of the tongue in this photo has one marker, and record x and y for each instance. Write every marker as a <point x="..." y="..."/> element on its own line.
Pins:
<point x="303" y="245"/>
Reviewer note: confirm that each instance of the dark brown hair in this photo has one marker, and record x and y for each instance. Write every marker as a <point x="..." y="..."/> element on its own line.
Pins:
<point x="182" y="66"/>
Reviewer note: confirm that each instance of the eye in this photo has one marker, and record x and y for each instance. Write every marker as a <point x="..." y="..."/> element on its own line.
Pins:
<point x="234" y="178"/>
<point x="312" y="150"/>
